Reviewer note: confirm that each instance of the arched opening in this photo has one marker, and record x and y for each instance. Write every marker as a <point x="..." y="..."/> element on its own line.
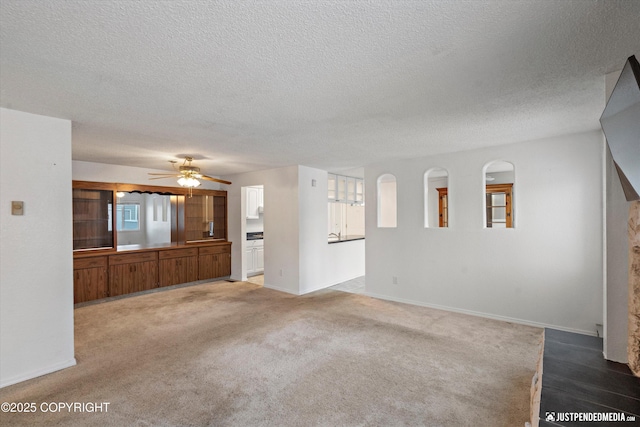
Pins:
<point x="387" y="201"/>
<point x="499" y="179"/>
<point x="436" y="198"/>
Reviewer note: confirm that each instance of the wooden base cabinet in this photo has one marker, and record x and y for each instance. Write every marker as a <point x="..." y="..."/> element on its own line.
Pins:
<point x="90" y="279"/>
<point x="214" y="261"/>
<point x="130" y="273"/>
<point x="178" y="266"/>
<point x="102" y="276"/>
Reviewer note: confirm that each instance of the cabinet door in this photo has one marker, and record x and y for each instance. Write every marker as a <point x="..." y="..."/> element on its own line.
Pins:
<point x="331" y="184"/>
<point x="342" y="188"/>
<point x="224" y="264"/>
<point x="191" y="268"/>
<point x="168" y="271"/>
<point x="120" y="279"/>
<point x="251" y="265"/>
<point x="90" y="279"/>
<point x="132" y="273"/>
<point x="351" y="190"/>
<point x="146" y="275"/>
<point x="359" y="191"/>
<point x="252" y="203"/>
<point x="214" y="261"/>
<point x="260" y="198"/>
<point x="260" y="259"/>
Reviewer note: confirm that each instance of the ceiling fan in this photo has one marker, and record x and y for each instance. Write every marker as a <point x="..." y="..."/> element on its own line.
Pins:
<point x="187" y="175"/>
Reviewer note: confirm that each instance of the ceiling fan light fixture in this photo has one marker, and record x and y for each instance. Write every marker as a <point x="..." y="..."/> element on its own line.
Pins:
<point x="188" y="182"/>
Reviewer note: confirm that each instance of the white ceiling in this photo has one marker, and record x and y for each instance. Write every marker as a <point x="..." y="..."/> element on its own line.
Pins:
<point x="330" y="84"/>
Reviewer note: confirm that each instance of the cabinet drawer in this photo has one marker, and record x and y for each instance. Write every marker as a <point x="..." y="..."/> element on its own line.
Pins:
<point x="178" y="253"/>
<point x="82" y="263"/>
<point x="130" y="258"/>
<point x="211" y="250"/>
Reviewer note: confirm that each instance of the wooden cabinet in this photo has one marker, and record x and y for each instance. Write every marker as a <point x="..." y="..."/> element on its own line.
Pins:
<point x="134" y="272"/>
<point x="101" y="276"/>
<point x="90" y="279"/>
<point x="178" y="266"/>
<point x="214" y="261"/>
<point x="92" y="225"/>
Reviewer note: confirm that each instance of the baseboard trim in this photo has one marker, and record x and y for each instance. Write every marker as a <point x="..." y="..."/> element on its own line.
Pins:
<point x="38" y="373"/>
<point x="276" y="288"/>
<point x="480" y="314"/>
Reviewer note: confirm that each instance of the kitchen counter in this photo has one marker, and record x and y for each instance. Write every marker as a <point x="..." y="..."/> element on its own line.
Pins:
<point x="347" y="238"/>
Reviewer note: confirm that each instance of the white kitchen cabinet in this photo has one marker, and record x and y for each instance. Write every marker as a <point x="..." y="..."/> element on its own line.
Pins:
<point x="331" y="185"/>
<point x="259" y="251"/>
<point x="342" y="188"/>
<point x="254" y="256"/>
<point x="255" y="198"/>
<point x="345" y="189"/>
<point x="351" y="190"/>
<point x="359" y="191"/>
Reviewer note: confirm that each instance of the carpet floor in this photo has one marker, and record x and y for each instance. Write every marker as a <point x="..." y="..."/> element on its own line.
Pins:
<point x="237" y="354"/>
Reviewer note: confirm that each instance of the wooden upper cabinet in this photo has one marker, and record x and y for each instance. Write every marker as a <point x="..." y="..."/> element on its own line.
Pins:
<point x="206" y="217"/>
<point x="92" y="222"/>
<point x="199" y="218"/>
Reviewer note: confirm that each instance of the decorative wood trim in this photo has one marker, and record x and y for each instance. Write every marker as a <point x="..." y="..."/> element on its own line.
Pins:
<point x="443" y="217"/>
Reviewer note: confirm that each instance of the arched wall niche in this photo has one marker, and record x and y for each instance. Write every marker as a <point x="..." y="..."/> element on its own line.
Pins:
<point x="436" y="198"/>
<point x="387" y="201"/>
<point x="499" y="195"/>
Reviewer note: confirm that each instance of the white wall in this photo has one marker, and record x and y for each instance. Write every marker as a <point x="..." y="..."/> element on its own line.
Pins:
<point x="295" y="231"/>
<point x="545" y="271"/>
<point x="36" y="265"/>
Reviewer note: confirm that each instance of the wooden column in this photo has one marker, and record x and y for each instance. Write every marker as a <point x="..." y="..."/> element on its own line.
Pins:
<point x="633" y="347"/>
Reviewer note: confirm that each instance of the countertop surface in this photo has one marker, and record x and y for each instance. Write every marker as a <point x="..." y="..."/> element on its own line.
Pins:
<point x="347" y="238"/>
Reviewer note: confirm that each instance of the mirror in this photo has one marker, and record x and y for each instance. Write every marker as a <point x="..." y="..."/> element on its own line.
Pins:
<point x="143" y="218"/>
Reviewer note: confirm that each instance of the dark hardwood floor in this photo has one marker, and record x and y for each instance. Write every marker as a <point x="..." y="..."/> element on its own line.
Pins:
<point x="577" y="379"/>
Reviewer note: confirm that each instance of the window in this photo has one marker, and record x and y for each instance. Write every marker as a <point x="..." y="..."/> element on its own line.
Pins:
<point x="128" y="217"/>
<point x="499" y="177"/>
<point x="387" y="201"/>
<point x="436" y="198"/>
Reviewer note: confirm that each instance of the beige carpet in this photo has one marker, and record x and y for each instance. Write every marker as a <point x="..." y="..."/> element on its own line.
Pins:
<point x="236" y="354"/>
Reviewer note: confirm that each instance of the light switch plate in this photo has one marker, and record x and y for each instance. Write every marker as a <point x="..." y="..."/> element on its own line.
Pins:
<point x="17" y="207"/>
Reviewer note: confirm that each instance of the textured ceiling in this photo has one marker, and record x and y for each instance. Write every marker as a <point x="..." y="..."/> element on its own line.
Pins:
<point x="330" y="84"/>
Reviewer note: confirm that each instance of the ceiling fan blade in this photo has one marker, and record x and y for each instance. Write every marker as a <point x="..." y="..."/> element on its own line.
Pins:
<point x="163" y="177"/>
<point x="221" y="181"/>
<point x="167" y="174"/>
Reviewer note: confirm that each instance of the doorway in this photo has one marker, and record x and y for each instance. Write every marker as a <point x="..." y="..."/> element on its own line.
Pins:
<point x="253" y="264"/>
